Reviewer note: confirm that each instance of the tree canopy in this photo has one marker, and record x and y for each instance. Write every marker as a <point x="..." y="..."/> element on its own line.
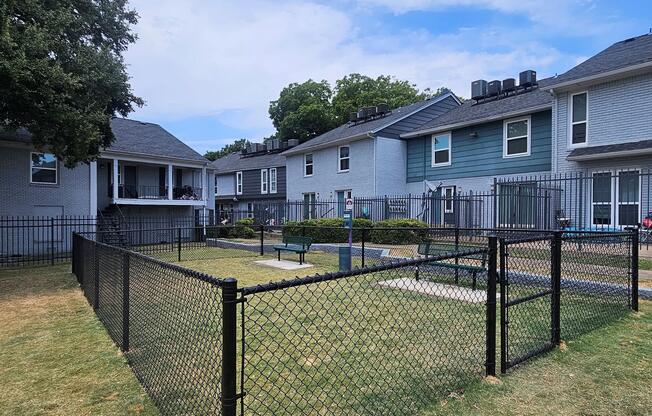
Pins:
<point x="62" y="75"/>
<point x="236" y="146"/>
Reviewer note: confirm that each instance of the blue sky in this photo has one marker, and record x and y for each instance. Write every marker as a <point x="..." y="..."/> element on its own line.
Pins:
<point x="208" y="69"/>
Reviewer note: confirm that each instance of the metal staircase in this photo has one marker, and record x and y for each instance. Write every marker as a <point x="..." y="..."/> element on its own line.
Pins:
<point x="112" y="226"/>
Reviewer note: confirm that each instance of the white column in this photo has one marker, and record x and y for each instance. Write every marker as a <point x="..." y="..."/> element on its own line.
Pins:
<point x="170" y="182"/>
<point x="93" y="188"/>
<point x="204" y="185"/>
<point x="115" y="178"/>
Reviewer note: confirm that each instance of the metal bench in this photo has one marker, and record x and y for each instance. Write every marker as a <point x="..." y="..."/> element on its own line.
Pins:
<point x="299" y="245"/>
<point x="430" y="248"/>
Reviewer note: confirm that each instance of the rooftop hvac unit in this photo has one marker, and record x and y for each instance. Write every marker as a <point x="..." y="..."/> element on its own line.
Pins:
<point x="494" y="88"/>
<point x="509" y="84"/>
<point x="527" y="78"/>
<point x="293" y="142"/>
<point x="273" y="144"/>
<point x="382" y="109"/>
<point x="251" y="148"/>
<point x="478" y="89"/>
<point x="361" y="114"/>
<point x="353" y="117"/>
<point x="369" y="111"/>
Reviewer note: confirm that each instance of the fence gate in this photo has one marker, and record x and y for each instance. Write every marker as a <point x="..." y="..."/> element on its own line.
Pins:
<point x="529" y="297"/>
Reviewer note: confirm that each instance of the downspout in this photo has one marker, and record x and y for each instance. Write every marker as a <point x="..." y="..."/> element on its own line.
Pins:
<point x="371" y="136"/>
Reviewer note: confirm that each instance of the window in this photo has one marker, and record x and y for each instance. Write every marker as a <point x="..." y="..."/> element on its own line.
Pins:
<point x="343" y="158"/>
<point x="441" y="150"/>
<point x="449" y="193"/>
<point x="628" y="197"/>
<point x="307" y="165"/>
<point x="250" y="209"/>
<point x="238" y="183"/>
<point x="264" y="181"/>
<point x="579" y="118"/>
<point x="273" y="183"/>
<point x="43" y="168"/>
<point x="516" y="134"/>
<point x="601" y="202"/>
<point x="214" y="190"/>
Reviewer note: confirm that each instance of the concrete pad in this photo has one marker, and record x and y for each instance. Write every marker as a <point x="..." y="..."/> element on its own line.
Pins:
<point x="440" y="290"/>
<point x="283" y="264"/>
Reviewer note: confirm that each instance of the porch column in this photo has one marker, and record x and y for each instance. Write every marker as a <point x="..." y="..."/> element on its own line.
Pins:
<point x="170" y="182"/>
<point x="115" y="178"/>
<point x="204" y="184"/>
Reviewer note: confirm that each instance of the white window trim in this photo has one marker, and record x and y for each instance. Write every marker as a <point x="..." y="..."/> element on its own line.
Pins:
<point x="340" y="158"/>
<point x="529" y="137"/>
<point x="264" y="181"/>
<point x="238" y="183"/>
<point x="305" y="156"/>
<point x="55" y="169"/>
<point x="215" y="185"/>
<point x="273" y="184"/>
<point x="452" y="200"/>
<point x="432" y="150"/>
<point x="615" y="200"/>
<point x="571" y="123"/>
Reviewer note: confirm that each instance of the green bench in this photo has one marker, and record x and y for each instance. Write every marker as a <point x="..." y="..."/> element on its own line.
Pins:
<point x="299" y="245"/>
<point x="430" y="248"/>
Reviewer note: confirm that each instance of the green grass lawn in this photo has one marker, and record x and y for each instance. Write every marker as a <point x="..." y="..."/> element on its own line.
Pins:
<point x="338" y="350"/>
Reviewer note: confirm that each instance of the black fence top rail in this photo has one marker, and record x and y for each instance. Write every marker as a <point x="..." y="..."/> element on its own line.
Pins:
<point x="189" y="272"/>
<point x="316" y="278"/>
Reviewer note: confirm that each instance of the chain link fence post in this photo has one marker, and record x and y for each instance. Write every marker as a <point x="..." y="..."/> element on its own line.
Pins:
<point x="52" y="244"/>
<point x="634" y="266"/>
<point x="492" y="277"/>
<point x="125" y="301"/>
<point x="262" y="240"/>
<point x="555" y="266"/>
<point x="179" y="243"/>
<point x="229" y="346"/>
<point x="364" y="235"/>
<point x="96" y="277"/>
<point x="504" y="322"/>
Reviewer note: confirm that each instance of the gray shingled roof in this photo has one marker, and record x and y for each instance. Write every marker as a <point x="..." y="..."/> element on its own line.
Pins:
<point x="587" y="152"/>
<point x="139" y="137"/>
<point x="235" y="162"/>
<point x="350" y="130"/>
<point x="132" y="136"/>
<point x="469" y="112"/>
<point x="620" y="55"/>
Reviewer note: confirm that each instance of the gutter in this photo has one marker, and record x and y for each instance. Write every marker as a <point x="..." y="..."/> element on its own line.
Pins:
<point x="497" y="117"/>
<point x="600" y="77"/>
<point x="109" y="153"/>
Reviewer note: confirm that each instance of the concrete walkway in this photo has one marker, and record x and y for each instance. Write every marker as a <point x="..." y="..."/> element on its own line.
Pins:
<point x="440" y="290"/>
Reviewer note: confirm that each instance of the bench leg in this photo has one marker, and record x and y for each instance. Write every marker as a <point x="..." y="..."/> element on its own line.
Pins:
<point x="473" y="282"/>
<point x="416" y="273"/>
<point x="279" y="255"/>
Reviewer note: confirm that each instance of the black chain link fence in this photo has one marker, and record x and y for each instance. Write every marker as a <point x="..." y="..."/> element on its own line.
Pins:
<point x="165" y="318"/>
<point x="392" y="337"/>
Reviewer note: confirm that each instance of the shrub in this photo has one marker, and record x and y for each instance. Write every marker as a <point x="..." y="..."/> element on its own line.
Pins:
<point x="326" y="230"/>
<point x="241" y="229"/>
<point x="400" y="231"/>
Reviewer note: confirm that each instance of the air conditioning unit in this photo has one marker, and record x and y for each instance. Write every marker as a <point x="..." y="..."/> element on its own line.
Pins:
<point x="293" y="142"/>
<point x="353" y="117"/>
<point x="509" y="84"/>
<point x="494" y="88"/>
<point x="369" y="111"/>
<point x="361" y="114"/>
<point x="527" y="78"/>
<point x="273" y="144"/>
<point x="382" y="109"/>
<point x="478" y="89"/>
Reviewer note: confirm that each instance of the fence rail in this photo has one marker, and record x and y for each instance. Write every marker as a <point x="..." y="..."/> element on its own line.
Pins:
<point x="389" y="337"/>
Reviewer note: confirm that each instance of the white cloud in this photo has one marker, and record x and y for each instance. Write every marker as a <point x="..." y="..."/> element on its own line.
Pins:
<point x="229" y="59"/>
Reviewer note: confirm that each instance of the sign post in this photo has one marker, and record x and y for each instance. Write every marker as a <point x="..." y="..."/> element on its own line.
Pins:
<point x="345" y="252"/>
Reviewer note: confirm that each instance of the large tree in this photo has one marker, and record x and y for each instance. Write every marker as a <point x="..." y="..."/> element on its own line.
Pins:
<point x="355" y="91"/>
<point x="62" y="75"/>
<point x="236" y="146"/>
<point x="302" y="111"/>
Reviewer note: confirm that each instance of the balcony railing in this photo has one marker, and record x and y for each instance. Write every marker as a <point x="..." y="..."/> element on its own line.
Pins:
<point x="183" y="193"/>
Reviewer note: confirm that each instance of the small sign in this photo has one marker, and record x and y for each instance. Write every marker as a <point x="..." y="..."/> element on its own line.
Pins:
<point x="348" y="204"/>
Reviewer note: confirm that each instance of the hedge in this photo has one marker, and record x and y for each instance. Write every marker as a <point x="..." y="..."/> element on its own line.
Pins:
<point x="330" y="230"/>
<point x="393" y="234"/>
<point x="241" y="229"/>
<point x="326" y="230"/>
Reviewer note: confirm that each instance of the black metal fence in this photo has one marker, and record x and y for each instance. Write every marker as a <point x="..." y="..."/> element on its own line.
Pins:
<point x="390" y="337"/>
